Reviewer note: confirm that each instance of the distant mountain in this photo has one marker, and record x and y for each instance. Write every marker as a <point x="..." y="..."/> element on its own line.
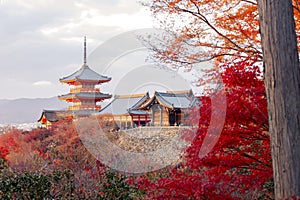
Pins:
<point x="3" y="101"/>
<point x="27" y="110"/>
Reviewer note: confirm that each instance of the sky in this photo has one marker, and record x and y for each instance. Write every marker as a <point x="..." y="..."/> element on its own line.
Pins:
<point x="42" y="41"/>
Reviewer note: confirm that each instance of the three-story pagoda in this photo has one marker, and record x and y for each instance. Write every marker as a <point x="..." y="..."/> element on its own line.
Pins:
<point x="83" y="91"/>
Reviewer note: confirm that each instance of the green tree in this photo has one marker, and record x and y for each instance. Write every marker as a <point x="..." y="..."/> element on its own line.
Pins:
<point x="115" y="186"/>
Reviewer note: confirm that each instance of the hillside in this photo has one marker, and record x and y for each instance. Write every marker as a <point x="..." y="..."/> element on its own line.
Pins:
<point x="26" y="110"/>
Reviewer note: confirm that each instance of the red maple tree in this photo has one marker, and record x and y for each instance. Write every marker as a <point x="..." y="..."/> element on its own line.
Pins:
<point x="239" y="166"/>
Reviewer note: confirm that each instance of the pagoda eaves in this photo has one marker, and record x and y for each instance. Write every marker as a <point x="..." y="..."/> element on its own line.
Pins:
<point x="84" y="95"/>
<point x="85" y="74"/>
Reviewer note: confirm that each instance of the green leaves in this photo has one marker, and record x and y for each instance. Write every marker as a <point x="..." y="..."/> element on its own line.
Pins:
<point x="115" y="186"/>
<point x="36" y="185"/>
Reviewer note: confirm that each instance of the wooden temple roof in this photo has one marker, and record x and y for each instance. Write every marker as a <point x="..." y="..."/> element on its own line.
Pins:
<point x="138" y="112"/>
<point x="172" y="100"/>
<point x="85" y="95"/>
<point x="85" y="74"/>
<point x="53" y="115"/>
<point x="56" y="115"/>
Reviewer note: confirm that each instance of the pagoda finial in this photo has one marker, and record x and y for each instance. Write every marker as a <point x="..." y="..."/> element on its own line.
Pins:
<point x="84" y="53"/>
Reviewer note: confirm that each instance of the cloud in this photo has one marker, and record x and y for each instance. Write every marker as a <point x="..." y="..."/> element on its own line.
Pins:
<point x="42" y="83"/>
<point x="123" y="20"/>
<point x="14" y="88"/>
<point x="44" y="38"/>
<point x="92" y="22"/>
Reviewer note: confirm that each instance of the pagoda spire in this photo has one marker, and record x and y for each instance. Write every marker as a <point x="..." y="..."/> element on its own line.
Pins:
<point x="84" y="51"/>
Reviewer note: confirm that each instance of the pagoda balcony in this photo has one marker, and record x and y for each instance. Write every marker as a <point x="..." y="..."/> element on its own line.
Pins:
<point x="77" y="90"/>
<point x="92" y="107"/>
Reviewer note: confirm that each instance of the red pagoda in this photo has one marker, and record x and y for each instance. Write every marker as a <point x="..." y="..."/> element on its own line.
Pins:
<point x="84" y="94"/>
<point x="83" y="91"/>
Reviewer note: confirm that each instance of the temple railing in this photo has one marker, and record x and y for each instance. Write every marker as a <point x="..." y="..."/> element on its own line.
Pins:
<point x="77" y="90"/>
<point x="81" y="107"/>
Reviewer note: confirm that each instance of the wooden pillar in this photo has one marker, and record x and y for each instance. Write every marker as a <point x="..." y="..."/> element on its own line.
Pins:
<point x="139" y="120"/>
<point x="131" y="120"/>
<point x="160" y="116"/>
<point x="152" y="117"/>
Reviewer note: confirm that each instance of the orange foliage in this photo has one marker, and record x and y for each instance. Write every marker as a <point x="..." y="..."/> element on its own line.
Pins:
<point x="43" y="150"/>
<point x="225" y="29"/>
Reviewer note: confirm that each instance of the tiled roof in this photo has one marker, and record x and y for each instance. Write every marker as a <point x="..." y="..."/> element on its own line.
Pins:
<point x="172" y="100"/>
<point x="122" y="103"/>
<point x="85" y="73"/>
<point x="56" y="115"/>
<point x="85" y="95"/>
<point x="53" y="115"/>
<point x="138" y="112"/>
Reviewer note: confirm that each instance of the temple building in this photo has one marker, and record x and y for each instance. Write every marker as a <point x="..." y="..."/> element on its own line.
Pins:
<point x="168" y="108"/>
<point x="84" y="94"/>
<point x="49" y="117"/>
<point x="171" y="108"/>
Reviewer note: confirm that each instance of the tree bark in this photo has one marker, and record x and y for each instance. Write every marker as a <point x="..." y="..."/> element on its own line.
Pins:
<point x="282" y="79"/>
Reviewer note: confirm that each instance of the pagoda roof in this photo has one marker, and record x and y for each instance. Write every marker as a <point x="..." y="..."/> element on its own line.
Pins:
<point x="85" y="74"/>
<point x="53" y="115"/>
<point x="122" y="103"/>
<point x="56" y="115"/>
<point x="85" y="95"/>
<point x="172" y="99"/>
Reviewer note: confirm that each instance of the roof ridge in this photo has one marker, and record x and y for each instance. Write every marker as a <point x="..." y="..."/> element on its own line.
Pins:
<point x="141" y="100"/>
<point x="179" y="91"/>
<point x="164" y="100"/>
<point x="125" y="96"/>
<point x="82" y="71"/>
<point x="174" y="94"/>
<point x="77" y="71"/>
<point x="86" y="66"/>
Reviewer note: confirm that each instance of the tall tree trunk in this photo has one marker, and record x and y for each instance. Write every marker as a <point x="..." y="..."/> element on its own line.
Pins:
<point x="282" y="79"/>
